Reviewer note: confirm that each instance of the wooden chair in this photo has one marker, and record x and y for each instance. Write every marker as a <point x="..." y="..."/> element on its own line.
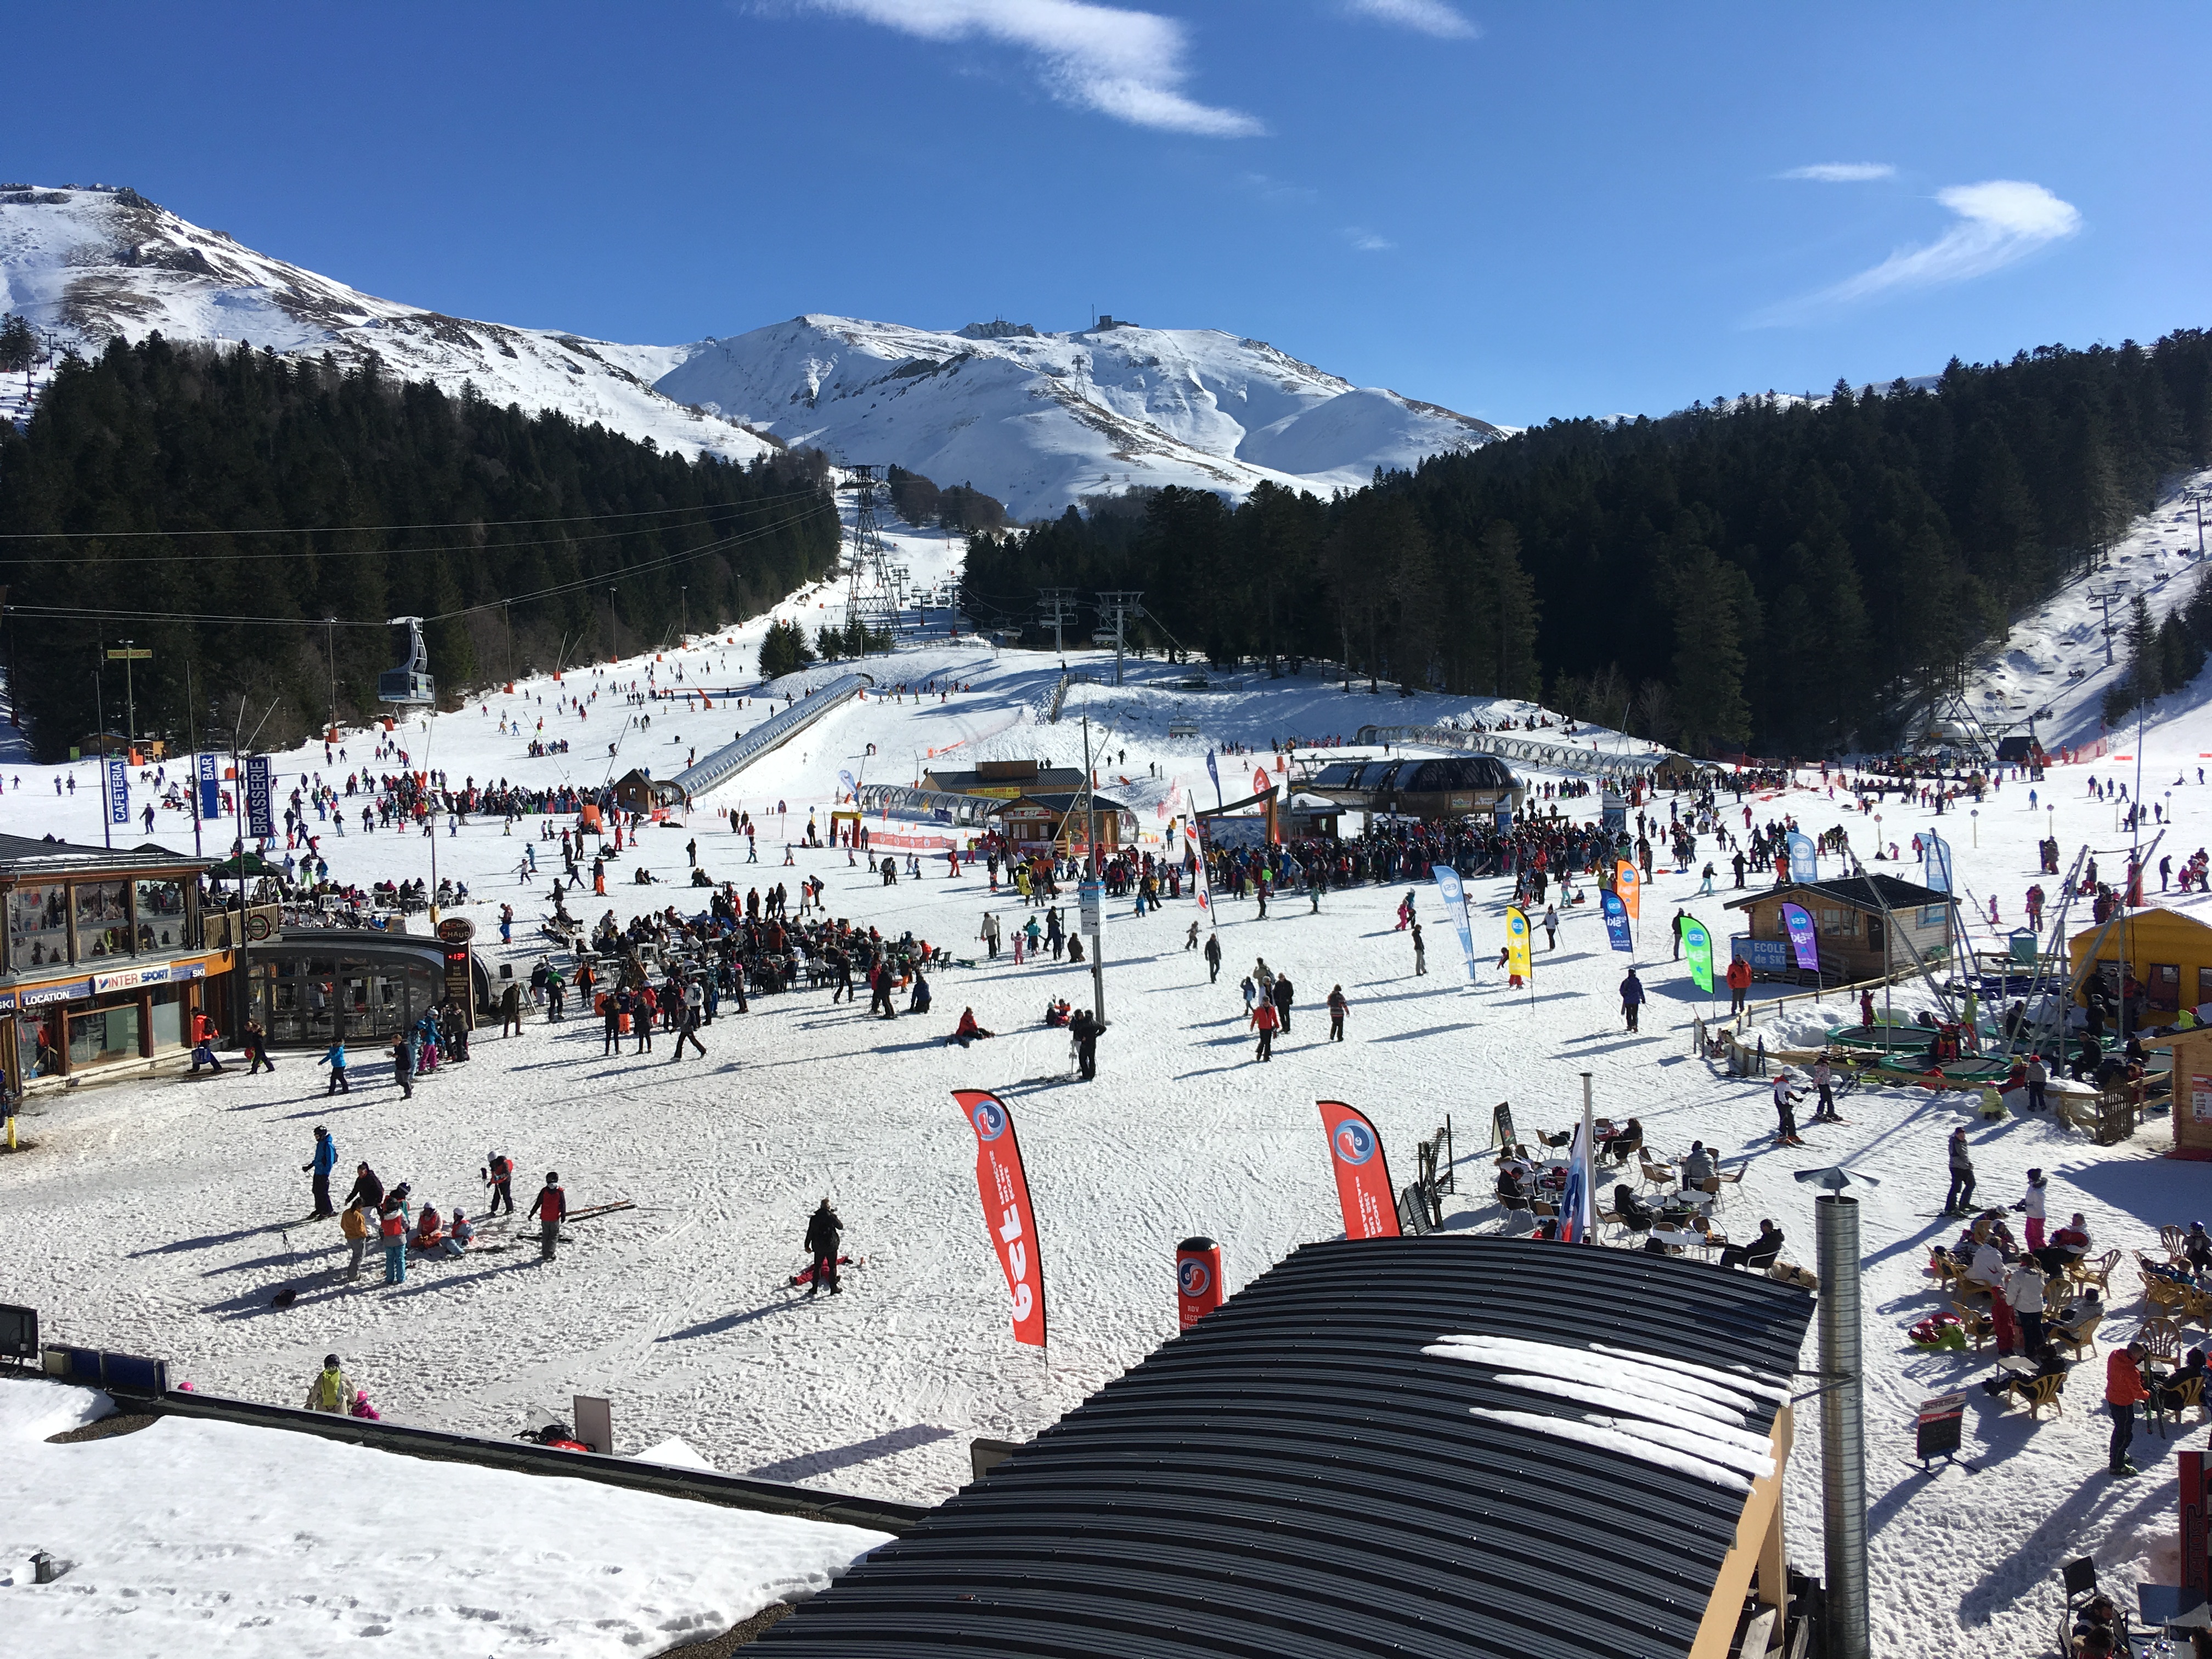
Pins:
<point x="2162" y="1338"/>
<point x="2042" y="1391"/>
<point x="2098" y="1272"/>
<point x="1978" y="1326"/>
<point x="2082" y="1340"/>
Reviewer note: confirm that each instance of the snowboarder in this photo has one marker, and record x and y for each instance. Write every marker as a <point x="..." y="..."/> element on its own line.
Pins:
<point x="549" y="1208"/>
<point x="319" y="1169"/>
<point x="824" y="1230"/>
<point x="1631" y="998"/>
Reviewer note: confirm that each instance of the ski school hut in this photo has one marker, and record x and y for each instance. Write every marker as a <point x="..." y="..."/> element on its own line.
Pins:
<point x="1863" y="928"/>
<point x="1451" y="787"/>
<point x="1003" y="780"/>
<point x="2168" y="954"/>
<point x="639" y="792"/>
<point x="1383" y="1446"/>
<point x="1031" y="824"/>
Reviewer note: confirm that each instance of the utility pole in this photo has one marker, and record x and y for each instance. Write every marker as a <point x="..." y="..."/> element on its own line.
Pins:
<point x="685" y="595"/>
<point x="869" y="558"/>
<point x="100" y="715"/>
<point x="1055" y="610"/>
<point x="129" y="654"/>
<point x="2105" y="599"/>
<point x="1120" y="605"/>
<point x="331" y="628"/>
<point x="2195" y="496"/>
<point x="611" y="625"/>
<point x="1094" y="881"/>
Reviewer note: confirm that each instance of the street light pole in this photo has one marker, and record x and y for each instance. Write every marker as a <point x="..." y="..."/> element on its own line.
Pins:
<point x="1097" y="877"/>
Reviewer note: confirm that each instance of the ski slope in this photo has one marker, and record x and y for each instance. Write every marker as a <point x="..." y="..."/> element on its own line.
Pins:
<point x="149" y="1216"/>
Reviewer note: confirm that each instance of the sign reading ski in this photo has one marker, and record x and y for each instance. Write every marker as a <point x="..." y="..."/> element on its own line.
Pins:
<point x="1005" y="1190"/>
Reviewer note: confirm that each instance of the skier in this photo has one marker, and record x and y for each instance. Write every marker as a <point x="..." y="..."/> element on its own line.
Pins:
<point x="1338" y="1007"/>
<point x="330" y="1391"/>
<point x="499" y="1176"/>
<point x="549" y="1208"/>
<point x="1785" y="1103"/>
<point x="1631" y="998"/>
<point x="1190" y="939"/>
<point x="824" y="1230"/>
<point x="325" y="1159"/>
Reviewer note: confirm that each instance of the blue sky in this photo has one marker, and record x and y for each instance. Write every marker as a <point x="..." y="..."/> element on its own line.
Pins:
<point x="1520" y="212"/>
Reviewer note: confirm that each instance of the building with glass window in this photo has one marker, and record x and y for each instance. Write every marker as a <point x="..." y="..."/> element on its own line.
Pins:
<point x="311" y="987"/>
<point x="104" y="958"/>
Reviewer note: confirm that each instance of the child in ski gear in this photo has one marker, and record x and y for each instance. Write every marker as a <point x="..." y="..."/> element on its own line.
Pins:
<point x="498" y="1173"/>
<point x="330" y="1391"/>
<point x="334" y="1058"/>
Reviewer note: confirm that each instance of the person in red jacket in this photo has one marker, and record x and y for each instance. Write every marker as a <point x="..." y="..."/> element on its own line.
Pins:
<point x="550" y="1207"/>
<point x="1739" y="984"/>
<point x="2123" y="1392"/>
<point x="1264" y="1020"/>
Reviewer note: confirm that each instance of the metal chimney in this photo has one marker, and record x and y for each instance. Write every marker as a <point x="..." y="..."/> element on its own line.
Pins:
<point x="1843" y="1433"/>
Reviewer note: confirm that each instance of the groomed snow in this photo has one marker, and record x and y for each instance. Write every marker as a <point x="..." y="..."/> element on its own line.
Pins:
<point x="145" y="1216"/>
<point x="189" y="1537"/>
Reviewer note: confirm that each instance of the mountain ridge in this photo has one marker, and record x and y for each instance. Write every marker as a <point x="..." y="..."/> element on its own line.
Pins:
<point x="1038" y="419"/>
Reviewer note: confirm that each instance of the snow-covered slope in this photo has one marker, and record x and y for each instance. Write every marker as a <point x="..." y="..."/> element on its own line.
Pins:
<point x="88" y="264"/>
<point x="1040" y="420"/>
<point x="2051" y="666"/>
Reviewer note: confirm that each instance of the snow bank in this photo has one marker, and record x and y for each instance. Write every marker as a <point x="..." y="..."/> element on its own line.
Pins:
<point x="197" y="1537"/>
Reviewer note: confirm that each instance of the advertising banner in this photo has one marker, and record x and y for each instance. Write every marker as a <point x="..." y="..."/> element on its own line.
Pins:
<point x="1577" y="1205"/>
<point x="1198" y="1281"/>
<point x="1260" y="784"/>
<point x="851" y="788"/>
<point x="1203" y="881"/>
<point x="1802" y="942"/>
<point x="210" y="788"/>
<point x="1698" y="951"/>
<point x="260" y="815"/>
<point x="118" y="789"/>
<point x="1517" y="942"/>
<point x="1938" y="861"/>
<point x="1214" y="772"/>
<point x="1005" y="1190"/>
<point x="1616" y="922"/>
<point x="1630" y="886"/>
<point x="1804" y="862"/>
<point x="1363" y="1175"/>
<point x="1454" y="895"/>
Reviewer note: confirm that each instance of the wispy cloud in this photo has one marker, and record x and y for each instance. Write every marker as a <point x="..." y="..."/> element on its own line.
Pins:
<point x="1995" y="224"/>
<point x="1277" y="192"/>
<point x="1366" y="241"/>
<point x="1425" y="17"/>
<point x="1842" y="173"/>
<point x="1127" y="64"/>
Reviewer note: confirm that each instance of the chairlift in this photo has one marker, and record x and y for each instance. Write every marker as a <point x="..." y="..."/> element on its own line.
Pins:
<point x="410" y="681"/>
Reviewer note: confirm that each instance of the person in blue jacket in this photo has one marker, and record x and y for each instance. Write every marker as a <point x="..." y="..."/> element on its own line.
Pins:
<point x="319" y="1169"/>
<point x="334" y="1058"/>
<point x="1631" y="997"/>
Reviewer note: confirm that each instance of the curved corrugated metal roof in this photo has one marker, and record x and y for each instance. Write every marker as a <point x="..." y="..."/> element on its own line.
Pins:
<point x="1295" y="1476"/>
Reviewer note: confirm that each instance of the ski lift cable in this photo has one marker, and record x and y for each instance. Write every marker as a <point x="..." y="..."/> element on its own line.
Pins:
<point x="332" y="529"/>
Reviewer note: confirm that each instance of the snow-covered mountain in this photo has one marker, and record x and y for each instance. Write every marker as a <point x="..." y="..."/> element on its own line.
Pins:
<point x="1041" y="420"/>
<point x="1036" y="420"/>
<point x="90" y="264"/>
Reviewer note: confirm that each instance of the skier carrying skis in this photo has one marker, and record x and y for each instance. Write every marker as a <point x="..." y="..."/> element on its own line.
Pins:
<point x="824" y="1230"/>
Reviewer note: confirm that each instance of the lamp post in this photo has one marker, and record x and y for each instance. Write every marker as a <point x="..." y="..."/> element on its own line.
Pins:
<point x="1976" y="815"/>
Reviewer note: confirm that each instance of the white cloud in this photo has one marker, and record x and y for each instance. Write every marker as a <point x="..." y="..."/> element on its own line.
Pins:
<point x="1997" y="223"/>
<point x="1366" y="241"/>
<point x="1842" y="173"/>
<point x="1128" y="64"/>
<point x="1425" y="17"/>
<point x="1276" y="191"/>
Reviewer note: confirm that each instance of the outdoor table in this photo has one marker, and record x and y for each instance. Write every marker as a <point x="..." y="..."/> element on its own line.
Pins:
<point x="2172" y="1607"/>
